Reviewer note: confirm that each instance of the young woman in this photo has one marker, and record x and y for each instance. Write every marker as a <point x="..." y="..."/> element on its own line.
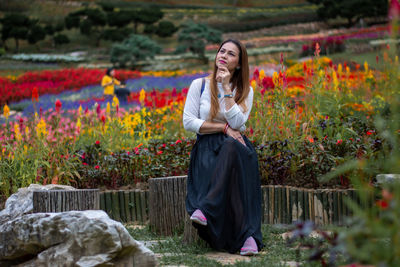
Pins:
<point x="108" y="83"/>
<point x="223" y="187"/>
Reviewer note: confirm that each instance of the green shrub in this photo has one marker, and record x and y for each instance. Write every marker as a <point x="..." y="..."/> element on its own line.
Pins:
<point x="166" y="29"/>
<point x="132" y="49"/>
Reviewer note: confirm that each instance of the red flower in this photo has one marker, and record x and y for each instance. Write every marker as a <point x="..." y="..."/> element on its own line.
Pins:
<point x="178" y="141"/>
<point x="159" y="152"/>
<point x="382" y="204"/>
<point x="369" y="132"/>
<point x="103" y="119"/>
<point x="97" y="142"/>
<point x="98" y="109"/>
<point x="97" y="167"/>
<point x="35" y="95"/>
<point x="256" y="74"/>
<point x="84" y="163"/>
<point x="58" y="105"/>
<point x="339" y="142"/>
<point x="267" y="83"/>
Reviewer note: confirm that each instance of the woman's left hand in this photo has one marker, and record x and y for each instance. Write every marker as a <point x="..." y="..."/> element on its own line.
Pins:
<point x="235" y="134"/>
<point x="224" y="76"/>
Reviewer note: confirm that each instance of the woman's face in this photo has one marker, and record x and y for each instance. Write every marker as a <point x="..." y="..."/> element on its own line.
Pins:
<point x="228" y="56"/>
<point x="112" y="73"/>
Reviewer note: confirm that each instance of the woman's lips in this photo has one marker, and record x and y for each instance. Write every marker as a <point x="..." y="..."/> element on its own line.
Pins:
<point x="222" y="61"/>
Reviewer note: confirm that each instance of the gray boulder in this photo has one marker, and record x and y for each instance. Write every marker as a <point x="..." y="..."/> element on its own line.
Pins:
<point x="73" y="238"/>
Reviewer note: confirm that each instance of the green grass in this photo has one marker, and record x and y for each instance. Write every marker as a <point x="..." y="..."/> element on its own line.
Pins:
<point x="176" y="253"/>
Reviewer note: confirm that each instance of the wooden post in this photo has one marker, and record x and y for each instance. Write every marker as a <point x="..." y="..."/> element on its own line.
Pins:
<point x="65" y="200"/>
<point x="167" y="204"/>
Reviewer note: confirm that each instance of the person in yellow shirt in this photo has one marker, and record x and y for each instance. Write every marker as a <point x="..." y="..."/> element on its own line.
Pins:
<point x="108" y="82"/>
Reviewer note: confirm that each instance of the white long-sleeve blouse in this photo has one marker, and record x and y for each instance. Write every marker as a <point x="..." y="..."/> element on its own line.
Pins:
<point x="197" y="108"/>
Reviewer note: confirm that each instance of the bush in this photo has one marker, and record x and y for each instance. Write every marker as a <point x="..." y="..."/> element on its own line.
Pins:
<point x="166" y="29"/>
<point x="60" y="39"/>
<point x="132" y="49"/>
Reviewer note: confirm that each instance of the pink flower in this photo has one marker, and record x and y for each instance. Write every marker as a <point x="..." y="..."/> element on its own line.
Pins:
<point x="84" y="163"/>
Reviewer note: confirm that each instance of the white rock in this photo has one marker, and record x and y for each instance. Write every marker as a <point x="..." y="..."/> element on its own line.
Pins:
<point x="73" y="238"/>
<point x="20" y="203"/>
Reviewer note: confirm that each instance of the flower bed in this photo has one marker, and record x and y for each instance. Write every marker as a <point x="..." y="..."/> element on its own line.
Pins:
<point x="306" y="120"/>
<point x="53" y="82"/>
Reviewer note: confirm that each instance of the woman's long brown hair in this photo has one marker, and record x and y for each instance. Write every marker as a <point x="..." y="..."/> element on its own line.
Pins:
<point x="239" y="80"/>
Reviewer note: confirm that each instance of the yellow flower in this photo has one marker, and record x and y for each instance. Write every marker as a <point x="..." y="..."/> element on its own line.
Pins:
<point x="25" y="149"/>
<point x="335" y="80"/>
<point x="108" y="108"/>
<point x="142" y="95"/>
<point x="253" y="84"/>
<point x="321" y="73"/>
<point x="115" y="102"/>
<point x="41" y="128"/>
<point x="366" y="67"/>
<point x="26" y="130"/>
<point x="17" y="132"/>
<point x="275" y="78"/>
<point x="79" y="124"/>
<point x="262" y="74"/>
<point x="340" y="70"/>
<point x="80" y="110"/>
<point x="6" y="111"/>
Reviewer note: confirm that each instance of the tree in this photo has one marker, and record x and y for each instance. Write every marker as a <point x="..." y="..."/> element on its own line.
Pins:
<point x="36" y="34"/>
<point x="352" y="10"/>
<point x="15" y="26"/>
<point x="135" y="47"/>
<point x="166" y="28"/>
<point x="60" y="39"/>
<point x="147" y="16"/>
<point x="194" y="37"/>
<point x="90" y="21"/>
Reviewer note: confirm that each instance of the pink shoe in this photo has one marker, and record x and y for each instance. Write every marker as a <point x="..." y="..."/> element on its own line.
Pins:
<point x="249" y="247"/>
<point x="198" y="217"/>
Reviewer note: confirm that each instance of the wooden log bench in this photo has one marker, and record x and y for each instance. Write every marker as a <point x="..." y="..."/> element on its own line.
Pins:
<point x="167" y="211"/>
<point x="65" y="200"/>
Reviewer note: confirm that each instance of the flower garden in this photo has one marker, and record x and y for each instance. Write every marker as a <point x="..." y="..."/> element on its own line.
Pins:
<point x="318" y="124"/>
<point x="307" y="113"/>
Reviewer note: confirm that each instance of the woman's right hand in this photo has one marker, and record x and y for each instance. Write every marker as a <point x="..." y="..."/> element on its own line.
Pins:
<point x="235" y="134"/>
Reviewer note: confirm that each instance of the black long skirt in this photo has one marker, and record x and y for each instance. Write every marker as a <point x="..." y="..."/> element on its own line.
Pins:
<point x="224" y="183"/>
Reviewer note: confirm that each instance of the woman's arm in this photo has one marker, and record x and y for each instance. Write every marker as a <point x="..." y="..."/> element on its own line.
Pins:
<point x="191" y="111"/>
<point x="235" y="116"/>
<point x="212" y="127"/>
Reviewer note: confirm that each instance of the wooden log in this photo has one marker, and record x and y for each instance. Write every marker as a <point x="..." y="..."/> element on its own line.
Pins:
<point x="190" y="235"/>
<point x="301" y="205"/>
<point x="271" y="198"/>
<point x="132" y="205"/>
<point x="115" y="206"/>
<point x="102" y="201"/>
<point x="121" y="201"/>
<point x="65" y="200"/>
<point x="108" y="204"/>
<point x="143" y="205"/>
<point x="167" y="204"/>
<point x="138" y="206"/>
<point x="127" y="207"/>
